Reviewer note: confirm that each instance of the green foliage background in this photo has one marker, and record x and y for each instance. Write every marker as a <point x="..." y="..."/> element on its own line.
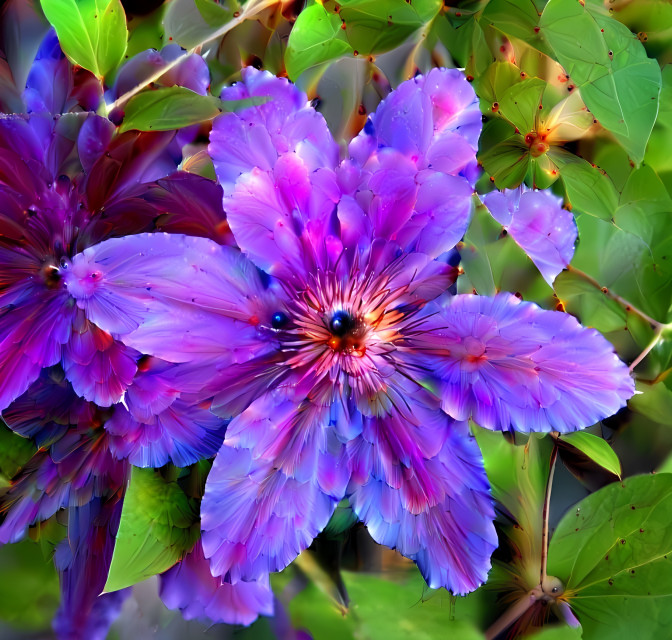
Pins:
<point x="576" y="96"/>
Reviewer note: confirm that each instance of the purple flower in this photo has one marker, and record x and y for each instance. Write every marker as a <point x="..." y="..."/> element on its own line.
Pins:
<point x="539" y="224"/>
<point x="66" y="182"/>
<point x="332" y="342"/>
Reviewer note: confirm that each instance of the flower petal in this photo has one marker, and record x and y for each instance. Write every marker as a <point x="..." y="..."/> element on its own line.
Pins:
<point x="83" y="560"/>
<point x="161" y="421"/>
<point x="511" y="365"/>
<point x="266" y="497"/>
<point x="269" y="160"/>
<point x="165" y="295"/>
<point x="431" y="503"/>
<point x="539" y="224"/>
<point x="32" y="335"/>
<point x="99" y="367"/>
<point x="190" y="587"/>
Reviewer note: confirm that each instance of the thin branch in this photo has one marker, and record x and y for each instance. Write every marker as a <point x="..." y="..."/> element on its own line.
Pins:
<point x="657" y="336"/>
<point x="515" y="611"/>
<point x="250" y="10"/>
<point x="545" y="514"/>
<point x="655" y="324"/>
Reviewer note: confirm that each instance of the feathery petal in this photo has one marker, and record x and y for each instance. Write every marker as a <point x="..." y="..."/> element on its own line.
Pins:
<point x="539" y="224"/>
<point x="511" y="365"/>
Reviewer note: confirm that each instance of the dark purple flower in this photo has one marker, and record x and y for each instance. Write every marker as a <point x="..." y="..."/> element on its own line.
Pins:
<point x="66" y="182"/>
<point x="331" y="339"/>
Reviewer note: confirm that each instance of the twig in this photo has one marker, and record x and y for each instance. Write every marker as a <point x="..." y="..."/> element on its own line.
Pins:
<point x="654" y="341"/>
<point x="655" y="324"/>
<point x="250" y="10"/>
<point x="515" y="611"/>
<point x="545" y="514"/>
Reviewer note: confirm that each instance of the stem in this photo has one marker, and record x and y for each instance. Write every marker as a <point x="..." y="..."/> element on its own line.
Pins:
<point x="253" y="8"/>
<point x="545" y="514"/>
<point x="654" y="341"/>
<point x="612" y="296"/>
<point x="515" y="611"/>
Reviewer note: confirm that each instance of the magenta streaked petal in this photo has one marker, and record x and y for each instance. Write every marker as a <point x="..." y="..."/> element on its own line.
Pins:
<point x="403" y="120"/>
<point x="83" y="561"/>
<point x="172" y="286"/>
<point x="432" y="505"/>
<point x="257" y="519"/>
<point x="162" y="420"/>
<point x="537" y="221"/>
<point x="190" y="587"/>
<point x="454" y="104"/>
<point x="254" y="137"/>
<point x="76" y="467"/>
<point x="417" y="115"/>
<point x="511" y="365"/>
<point x="99" y="367"/>
<point x="32" y="336"/>
<point x="442" y="212"/>
<point x="264" y="499"/>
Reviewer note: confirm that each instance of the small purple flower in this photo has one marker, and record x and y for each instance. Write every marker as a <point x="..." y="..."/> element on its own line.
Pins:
<point x="539" y="224"/>
<point x="332" y="342"/>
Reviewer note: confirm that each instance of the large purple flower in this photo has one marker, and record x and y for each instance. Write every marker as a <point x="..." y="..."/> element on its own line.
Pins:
<point x="331" y="340"/>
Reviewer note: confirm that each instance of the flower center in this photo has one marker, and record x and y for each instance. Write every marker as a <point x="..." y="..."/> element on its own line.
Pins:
<point x="347" y="333"/>
<point x="341" y="322"/>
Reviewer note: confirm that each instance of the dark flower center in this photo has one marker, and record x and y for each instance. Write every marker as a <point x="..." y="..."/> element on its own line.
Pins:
<point x="51" y="275"/>
<point x="279" y="319"/>
<point x="341" y="323"/>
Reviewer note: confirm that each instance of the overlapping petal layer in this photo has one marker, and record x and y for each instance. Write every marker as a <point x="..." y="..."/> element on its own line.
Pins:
<point x="510" y="365"/>
<point x="273" y="487"/>
<point x="162" y="421"/>
<point x="420" y="487"/>
<point x="190" y="587"/>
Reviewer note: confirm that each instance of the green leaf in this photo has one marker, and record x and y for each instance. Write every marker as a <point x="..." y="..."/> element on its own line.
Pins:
<point x="596" y="448"/>
<point x="389" y="606"/>
<point x="323" y="32"/>
<point x="618" y="82"/>
<point x="653" y="401"/>
<point x="589" y="190"/>
<point x="588" y="303"/>
<point x="146" y="32"/>
<point x="518" y="476"/>
<point x="384" y="607"/>
<point x="519" y="104"/>
<point x="169" y="108"/>
<point x="192" y="22"/>
<point x="92" y="33"/>
<point x="159" y="524"/>
<point x="614" y="554"/>
<point x="316" y="37"/>
<point x="503" y="154"/>
<point x="517" y="18"/>
<point x="29" y="591"/>
<point x="341" y="521"/>
<point x="15" y="451"/>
